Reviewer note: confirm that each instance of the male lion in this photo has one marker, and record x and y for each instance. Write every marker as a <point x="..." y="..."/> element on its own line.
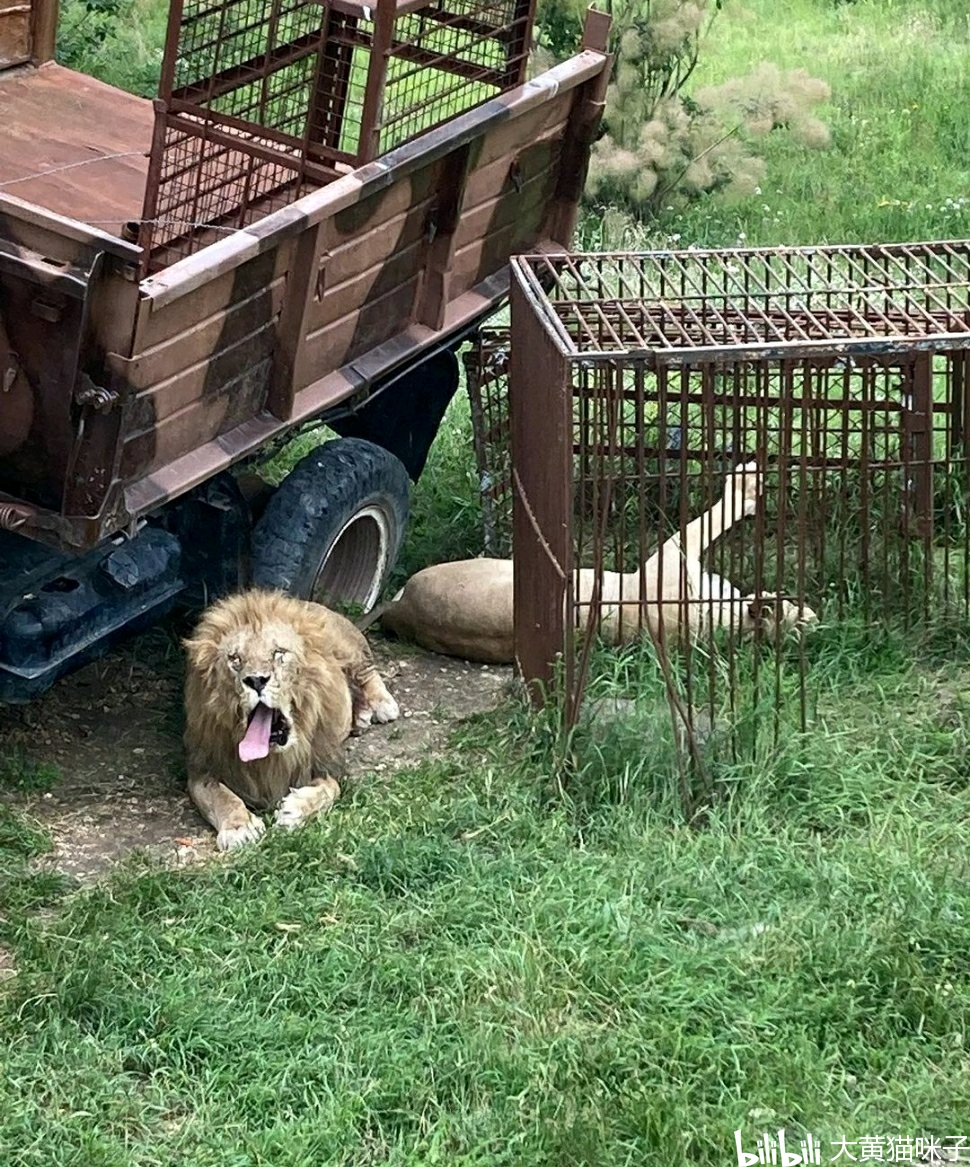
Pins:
<point x="274" y="686"/>
<point x="465" y="608"/>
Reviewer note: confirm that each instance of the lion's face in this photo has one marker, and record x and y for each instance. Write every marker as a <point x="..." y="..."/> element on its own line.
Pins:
<point x="260" y="674"/>
<point x="263" y="664"/>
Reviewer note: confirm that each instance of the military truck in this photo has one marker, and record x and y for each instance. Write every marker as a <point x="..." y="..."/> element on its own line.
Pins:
<point x="305" y="224"/>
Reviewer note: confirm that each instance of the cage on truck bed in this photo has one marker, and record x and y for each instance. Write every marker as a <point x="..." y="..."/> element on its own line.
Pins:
<point x="320" y="203"/>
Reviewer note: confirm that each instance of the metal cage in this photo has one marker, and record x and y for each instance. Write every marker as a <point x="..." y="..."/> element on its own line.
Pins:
<point x="260" y="103"/>
<point x="486" y="362"/>
<point x="840" y="376"/>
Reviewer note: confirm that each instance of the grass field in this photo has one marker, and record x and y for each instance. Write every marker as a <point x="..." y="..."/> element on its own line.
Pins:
<point x="898" y="167"/>
<point x="461" y="967"/>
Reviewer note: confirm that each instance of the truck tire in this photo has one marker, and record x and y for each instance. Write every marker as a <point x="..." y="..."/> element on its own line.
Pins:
<point x="332" y="530"/>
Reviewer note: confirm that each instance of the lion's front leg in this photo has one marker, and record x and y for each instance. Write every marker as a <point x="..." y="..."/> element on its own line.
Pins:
<point x="235" y="824"/>
<point x="372" y="701"/>
<point x="303" y="802"/>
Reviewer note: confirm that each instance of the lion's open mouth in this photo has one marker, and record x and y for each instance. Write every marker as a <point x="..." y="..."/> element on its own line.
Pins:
<point x="267" y="727"/>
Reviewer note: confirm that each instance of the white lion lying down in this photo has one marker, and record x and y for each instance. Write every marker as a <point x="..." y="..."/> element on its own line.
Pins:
<point x="465" y="608"/>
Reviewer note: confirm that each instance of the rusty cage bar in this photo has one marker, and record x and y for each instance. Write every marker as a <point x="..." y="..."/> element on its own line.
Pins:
<point x="486" y="362"/>
<point x="710" y="449"/>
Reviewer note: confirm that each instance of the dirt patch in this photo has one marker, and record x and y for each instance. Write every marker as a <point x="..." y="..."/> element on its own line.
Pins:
<point x="113" y="730"/>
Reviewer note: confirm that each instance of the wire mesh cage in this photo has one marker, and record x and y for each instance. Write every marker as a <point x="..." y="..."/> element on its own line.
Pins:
<point x="726" y="455"/>
<point x="486" y="361"/>
<point x="260" y="103"/>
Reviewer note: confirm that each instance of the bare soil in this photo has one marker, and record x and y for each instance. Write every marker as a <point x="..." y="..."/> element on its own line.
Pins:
<point x="113" y="730"/>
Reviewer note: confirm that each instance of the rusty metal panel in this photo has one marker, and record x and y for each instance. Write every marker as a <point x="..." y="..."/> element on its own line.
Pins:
<point x="74" y="146"/>
<point x="67" y="293"/>
<point x="544" y="119"/>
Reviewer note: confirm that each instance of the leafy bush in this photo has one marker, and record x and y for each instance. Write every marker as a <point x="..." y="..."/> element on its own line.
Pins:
<point x="118" y="41"/>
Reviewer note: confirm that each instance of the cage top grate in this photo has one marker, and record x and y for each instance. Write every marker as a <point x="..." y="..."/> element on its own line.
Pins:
<point x="675" y="305"/>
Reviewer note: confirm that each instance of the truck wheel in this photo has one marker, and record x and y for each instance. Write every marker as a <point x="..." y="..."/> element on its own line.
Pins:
<point x="332" y="530"/>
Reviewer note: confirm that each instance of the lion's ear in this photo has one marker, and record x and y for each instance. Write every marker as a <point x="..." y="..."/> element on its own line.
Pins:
<point x="201" y="652"/>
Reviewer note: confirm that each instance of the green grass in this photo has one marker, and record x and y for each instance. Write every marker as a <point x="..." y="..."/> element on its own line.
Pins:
<point x="21" y="774"/>
<point x="24" y="888"/>
<point x="456" y="968"/>
<point x="898" y="167"/>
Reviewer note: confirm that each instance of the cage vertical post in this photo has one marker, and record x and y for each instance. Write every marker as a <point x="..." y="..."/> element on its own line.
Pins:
<point x="541" y="423"/>
<point x="374" y="90"/>
<point x="43" y="30"/>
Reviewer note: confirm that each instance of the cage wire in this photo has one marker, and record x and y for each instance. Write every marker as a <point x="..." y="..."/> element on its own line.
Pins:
<point x="261" y="103"/>
<point x="486" y="362"/>
<point x="723" y="456"/>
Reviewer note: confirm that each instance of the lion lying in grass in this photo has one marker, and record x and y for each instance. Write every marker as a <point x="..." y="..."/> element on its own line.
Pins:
<point x="274" y="686"/>
<point x="465" y="608"/>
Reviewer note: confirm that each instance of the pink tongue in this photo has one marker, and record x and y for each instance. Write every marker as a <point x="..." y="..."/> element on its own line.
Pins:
<point x="256" y="742"/>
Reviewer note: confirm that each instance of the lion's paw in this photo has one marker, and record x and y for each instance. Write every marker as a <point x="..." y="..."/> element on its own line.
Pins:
<point x="387" y="709"/>
<point x="305" y="801"/>
<point x="229" y="838"/>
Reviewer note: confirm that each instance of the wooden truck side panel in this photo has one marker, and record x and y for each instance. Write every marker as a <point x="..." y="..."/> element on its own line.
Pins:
<point x="202" y="363"/>
<point x="306" y="307"/>
<point x="123" y="391"/>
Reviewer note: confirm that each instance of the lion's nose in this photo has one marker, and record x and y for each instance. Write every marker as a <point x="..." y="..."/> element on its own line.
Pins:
<point x="257" y="683"/>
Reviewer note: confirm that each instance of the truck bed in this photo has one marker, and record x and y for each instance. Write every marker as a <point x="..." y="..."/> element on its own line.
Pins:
<point x="74" y="145"/>
<point x="124" y="391"/>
